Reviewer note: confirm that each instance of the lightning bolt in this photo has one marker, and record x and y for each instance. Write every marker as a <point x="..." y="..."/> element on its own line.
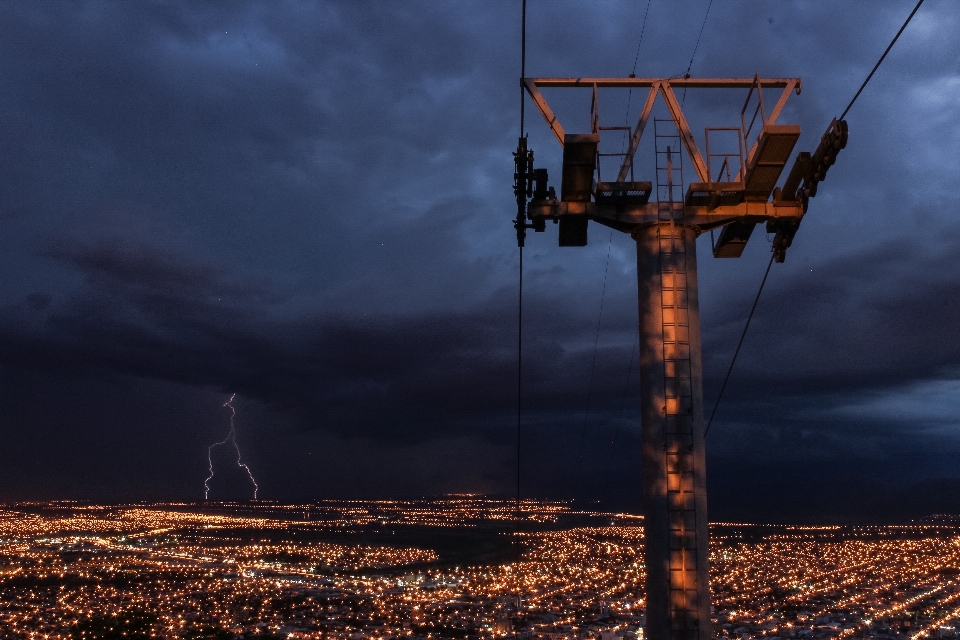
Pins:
<point x="232" y="439"/>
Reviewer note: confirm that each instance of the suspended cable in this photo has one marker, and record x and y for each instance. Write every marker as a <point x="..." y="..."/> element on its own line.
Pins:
<point x="523" y="74"/>
<point x="520" y="221"/>
<point x="523" y="60"/>
<point x="842" y="115"/>
<point x="636" y="58"/>
<point x="739" y="344"/>
<point x="519" y="389"/>
<point x="877" y="66"/>
<point x="643" y="27"/>
<point x="700" y="35"/>
<point x="686" y="73"/>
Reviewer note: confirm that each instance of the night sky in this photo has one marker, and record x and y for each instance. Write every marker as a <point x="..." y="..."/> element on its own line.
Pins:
<point x="308" y="204"/>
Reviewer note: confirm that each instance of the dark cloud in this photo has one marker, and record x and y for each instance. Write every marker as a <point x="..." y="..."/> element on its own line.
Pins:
<point x="308" y="205"/>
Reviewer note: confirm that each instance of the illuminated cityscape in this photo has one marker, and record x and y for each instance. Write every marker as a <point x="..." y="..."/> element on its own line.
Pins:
<point x="447" y="568"/>
<point x="285" y="328"/>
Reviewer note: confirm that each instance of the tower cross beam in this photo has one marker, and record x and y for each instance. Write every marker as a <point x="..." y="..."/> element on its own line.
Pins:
<point x="700" y="218"/>
<point x="692" y="83"/>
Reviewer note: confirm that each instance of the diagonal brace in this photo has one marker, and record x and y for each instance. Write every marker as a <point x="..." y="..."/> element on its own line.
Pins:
<point x="638" y="132"/>
<point x="684" y="129"/>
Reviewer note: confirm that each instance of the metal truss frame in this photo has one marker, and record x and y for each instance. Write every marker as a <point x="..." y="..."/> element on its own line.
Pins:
<point x="664" y="87"/>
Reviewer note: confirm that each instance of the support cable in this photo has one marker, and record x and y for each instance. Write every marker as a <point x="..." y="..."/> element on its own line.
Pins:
<point x="520" y="221"/>
<point x="519" y="389"/>
<point x="643" y="27"/>
<point x="523" y="61"/>
<point x="686" y="74"/>
<point x="739" y="344"/>
<point x="700" y="35"/>
<point x="842" y="115"/>
<point x="636" y="58"/>
<point x="877" y="66"/>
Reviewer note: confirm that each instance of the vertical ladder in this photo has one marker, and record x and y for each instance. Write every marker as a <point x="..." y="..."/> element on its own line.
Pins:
<point x="678" y="401"/>
<point x="667" y="145"/>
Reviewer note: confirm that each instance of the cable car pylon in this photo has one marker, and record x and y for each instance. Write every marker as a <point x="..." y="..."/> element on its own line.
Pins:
<point x="743" y="194"/>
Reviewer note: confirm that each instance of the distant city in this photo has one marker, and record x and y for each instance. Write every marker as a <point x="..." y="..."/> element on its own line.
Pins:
<point x="454" y="567"/>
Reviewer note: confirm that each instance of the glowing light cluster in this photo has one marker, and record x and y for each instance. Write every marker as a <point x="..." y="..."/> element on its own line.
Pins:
<point x="189" y="572"/>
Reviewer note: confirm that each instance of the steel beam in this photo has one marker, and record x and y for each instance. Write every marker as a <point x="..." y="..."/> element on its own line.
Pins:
<point x="693" y="83"/>
<point x="629" y="216"/>
<point x="684" y="129"/>
<point x="638" y="133"/>
<point x="545" y="109"/>
<point x="794" y="85"/>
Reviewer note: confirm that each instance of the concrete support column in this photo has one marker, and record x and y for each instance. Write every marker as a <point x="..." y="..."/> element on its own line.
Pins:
<point x="671" y="404"/>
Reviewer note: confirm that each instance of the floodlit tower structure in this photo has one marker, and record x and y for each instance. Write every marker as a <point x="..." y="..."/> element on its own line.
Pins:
<point x="742" y="194"/>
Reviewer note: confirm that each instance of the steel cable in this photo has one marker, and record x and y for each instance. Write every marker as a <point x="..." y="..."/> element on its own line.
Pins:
<point x="516" y="529"/>
<point x="877" y="66"/>
<point x="739" y="344"/>
<point x="842" y="115"/>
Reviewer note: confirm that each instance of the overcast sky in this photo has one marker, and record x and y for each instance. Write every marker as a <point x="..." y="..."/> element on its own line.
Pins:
<point x="308" y="204"/>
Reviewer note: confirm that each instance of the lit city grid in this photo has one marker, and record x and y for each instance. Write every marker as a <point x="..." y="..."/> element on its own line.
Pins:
<point x="448" y="569"/>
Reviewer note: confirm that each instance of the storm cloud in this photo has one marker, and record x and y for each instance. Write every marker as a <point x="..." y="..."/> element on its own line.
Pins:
<point x="308" y="204"/>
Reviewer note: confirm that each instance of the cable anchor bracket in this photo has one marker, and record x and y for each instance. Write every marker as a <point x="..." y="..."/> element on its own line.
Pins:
<point x="528" y="183"/>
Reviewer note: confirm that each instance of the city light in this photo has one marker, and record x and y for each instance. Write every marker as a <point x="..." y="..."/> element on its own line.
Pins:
<point x="367" y="569"/>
